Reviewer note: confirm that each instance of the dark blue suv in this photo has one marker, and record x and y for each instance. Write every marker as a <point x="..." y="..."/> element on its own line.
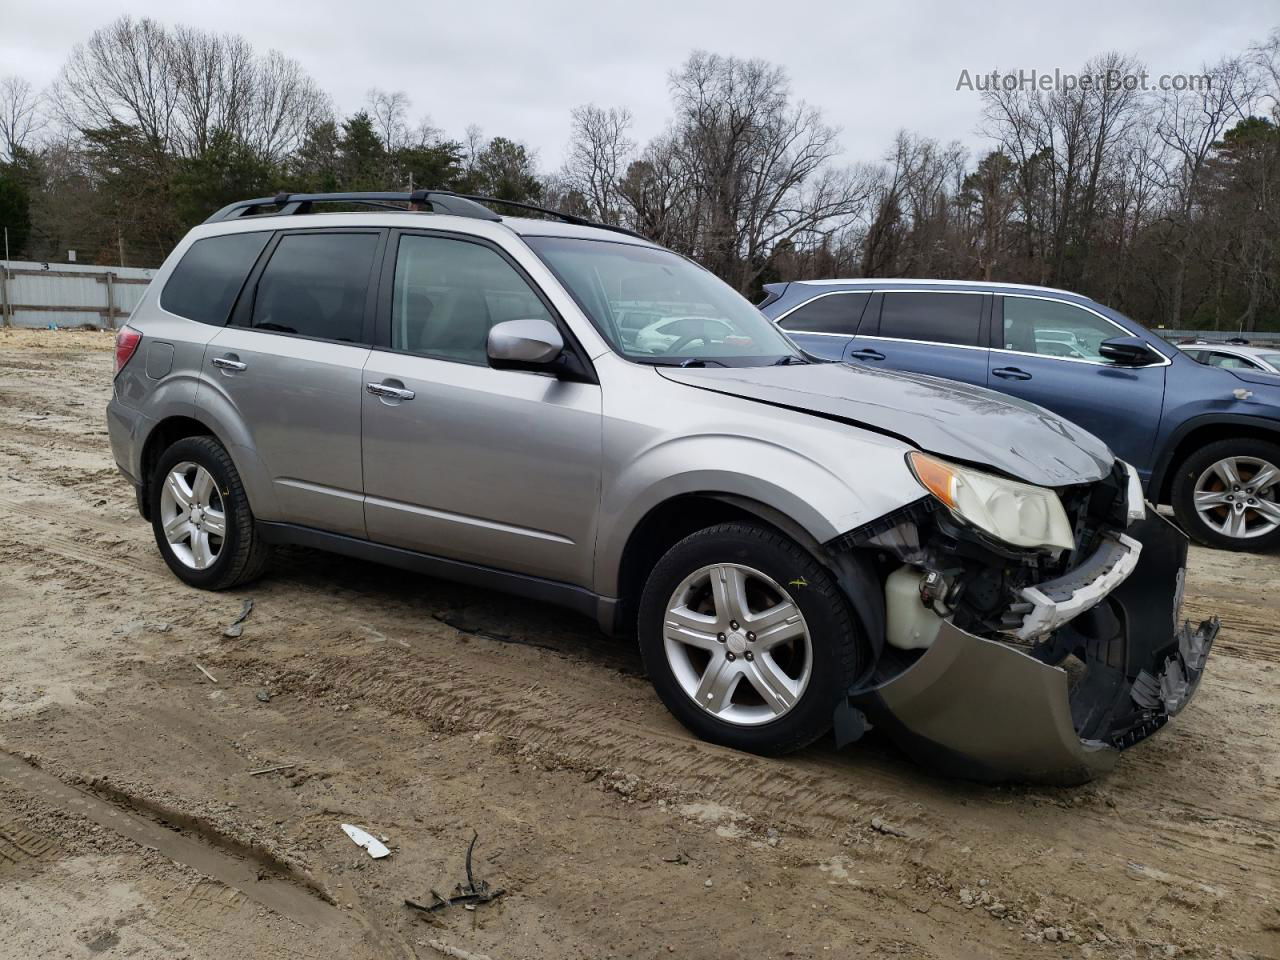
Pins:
<point x="1204" y="439"/>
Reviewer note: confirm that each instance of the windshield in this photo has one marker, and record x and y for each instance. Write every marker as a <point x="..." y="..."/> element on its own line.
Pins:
<point x="654" y="306"/>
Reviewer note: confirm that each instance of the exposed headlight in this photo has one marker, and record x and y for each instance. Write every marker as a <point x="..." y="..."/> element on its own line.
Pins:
<point x="1016" y="513"/>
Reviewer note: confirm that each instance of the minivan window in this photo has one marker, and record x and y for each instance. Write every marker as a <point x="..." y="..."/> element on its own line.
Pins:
<point x="833" y="313"/>
<point x="1054" y="328"/>
<point x="205" y="283"/>
<point x="952" y="318"/>
<point x="448" y="293"/>
<point x="316" y="285"/>
<point x="631" y="293"/>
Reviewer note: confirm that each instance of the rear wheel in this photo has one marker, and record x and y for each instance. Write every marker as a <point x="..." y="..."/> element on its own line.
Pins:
<point x="1227" y="494"/>
<point x="201" y="517"/>
<point x="747" y="639"/>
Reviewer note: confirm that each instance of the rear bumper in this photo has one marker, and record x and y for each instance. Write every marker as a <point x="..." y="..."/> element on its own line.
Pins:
<point x="126" y="428"/>
<point x="988" y="710"/>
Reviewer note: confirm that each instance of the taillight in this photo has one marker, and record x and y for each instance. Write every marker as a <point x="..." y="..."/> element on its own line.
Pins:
<point x="127" y="340"/>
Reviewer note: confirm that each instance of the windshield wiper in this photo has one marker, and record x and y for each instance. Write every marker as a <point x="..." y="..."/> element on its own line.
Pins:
<point x="788" y="360"/>
<point x="699" y="362"/>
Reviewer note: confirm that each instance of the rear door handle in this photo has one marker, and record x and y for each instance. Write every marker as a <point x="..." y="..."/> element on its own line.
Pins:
<point x="229" y="363"/>
<point x="389" y="392"/>
<point x="866" y="355"/>
<point x="1010" y="373"/>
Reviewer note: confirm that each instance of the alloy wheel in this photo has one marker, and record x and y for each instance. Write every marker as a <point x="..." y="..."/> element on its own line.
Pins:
<point x="192" y="515"/>
<point x="737" y="644"/>
<point x="1237" y="497"/>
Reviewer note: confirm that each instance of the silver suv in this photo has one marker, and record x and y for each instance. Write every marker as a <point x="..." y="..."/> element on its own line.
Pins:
<point x="799" y="545"/>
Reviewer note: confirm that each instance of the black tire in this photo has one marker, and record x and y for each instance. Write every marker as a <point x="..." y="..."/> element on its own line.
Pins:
<point x="838" y="651"/>
<point x="242" y="555"/>
<point x="1183" y="488"/>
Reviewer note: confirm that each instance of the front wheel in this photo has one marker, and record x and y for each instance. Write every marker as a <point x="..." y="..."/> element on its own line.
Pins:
<point x="1227" y="494"/>
<point x="747" y="639"/>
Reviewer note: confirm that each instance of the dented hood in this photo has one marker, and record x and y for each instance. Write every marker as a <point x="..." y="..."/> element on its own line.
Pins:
<point x="950" y="419"/>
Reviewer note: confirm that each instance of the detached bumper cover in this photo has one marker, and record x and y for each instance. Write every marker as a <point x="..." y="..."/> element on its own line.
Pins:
<point x="986" y="710"/>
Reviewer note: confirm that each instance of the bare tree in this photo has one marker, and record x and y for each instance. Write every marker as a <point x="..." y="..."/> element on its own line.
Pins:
<point x="389" y="110"/>
<point x="1190" y="123"/>
<point x="661" y="197"/>
<point x="758" y="165"/>
<point x="20" y="116"/>
<point x="122" y="76"/>
<point x="181" y="88"/>
<point x="599" y="151"/>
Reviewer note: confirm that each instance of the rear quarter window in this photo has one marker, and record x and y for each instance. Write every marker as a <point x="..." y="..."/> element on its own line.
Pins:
<point x="205" y="283"/>
<point x="837" y="313"/>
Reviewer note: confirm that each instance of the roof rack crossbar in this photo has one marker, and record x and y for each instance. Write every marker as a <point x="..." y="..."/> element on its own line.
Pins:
<point x="288" y="204"/>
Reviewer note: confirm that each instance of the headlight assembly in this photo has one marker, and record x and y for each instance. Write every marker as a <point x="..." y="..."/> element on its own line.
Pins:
<point x="1016" y="513"/>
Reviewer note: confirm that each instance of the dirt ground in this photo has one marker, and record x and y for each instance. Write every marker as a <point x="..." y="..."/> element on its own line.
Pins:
<point x="132" y="822"/>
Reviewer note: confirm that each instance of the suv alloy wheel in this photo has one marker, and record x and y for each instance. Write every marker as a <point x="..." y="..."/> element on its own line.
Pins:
<point x="747" y="638"/>
<point x="1227" y="494"/>
<point x="201" y="517"/>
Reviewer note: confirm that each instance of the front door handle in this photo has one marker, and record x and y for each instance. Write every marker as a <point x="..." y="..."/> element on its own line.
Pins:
<point x="1010" y="373"/>
<point x="229" y="363"/>
<point x="866" y="354"/>
<point x="389" y="392"/>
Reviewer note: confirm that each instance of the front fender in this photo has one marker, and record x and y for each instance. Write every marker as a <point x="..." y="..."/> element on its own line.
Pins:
<point x="816" y="497"/>
<point x="1264" y="421"/>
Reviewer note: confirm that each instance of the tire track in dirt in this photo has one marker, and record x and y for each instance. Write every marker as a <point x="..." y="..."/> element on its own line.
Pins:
<point x="281" y="896"/>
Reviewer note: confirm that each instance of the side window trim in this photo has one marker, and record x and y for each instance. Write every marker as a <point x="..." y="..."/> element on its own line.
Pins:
<point x="877" y="304"/>
<point x="380" y="338"/>
<point x="823" y="333"/>
<point x="242" y="312"/>
<point x="998" y="328"/>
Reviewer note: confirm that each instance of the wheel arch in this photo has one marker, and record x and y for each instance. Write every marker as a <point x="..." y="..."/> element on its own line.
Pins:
<point x="670" y="521"/>
<point x="169" y="431"/>
<point x="1196" y="433"/>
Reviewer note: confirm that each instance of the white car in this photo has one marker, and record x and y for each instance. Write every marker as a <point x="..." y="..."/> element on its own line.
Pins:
<point x="664" y="335"/>
<point x="1234" y="356"/>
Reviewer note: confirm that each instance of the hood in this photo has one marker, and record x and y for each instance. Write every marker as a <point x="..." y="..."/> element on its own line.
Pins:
<point x="1260" y="377"/>
<point x="951" y="419"/>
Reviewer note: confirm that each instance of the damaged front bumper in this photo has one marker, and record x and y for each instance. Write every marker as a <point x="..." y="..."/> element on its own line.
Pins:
<point x="1111" y="666"/>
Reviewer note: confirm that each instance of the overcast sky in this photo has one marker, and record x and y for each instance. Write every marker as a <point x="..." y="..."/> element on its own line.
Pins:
<point x="516" y="68"/>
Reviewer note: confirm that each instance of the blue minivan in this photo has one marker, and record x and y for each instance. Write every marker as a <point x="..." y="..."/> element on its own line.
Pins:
<point x="1205" y="440"/>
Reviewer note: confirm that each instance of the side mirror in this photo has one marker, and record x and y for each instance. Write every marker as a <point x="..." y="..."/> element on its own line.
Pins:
<point x="524" y="345"/>
<point x="1128" y="352"/>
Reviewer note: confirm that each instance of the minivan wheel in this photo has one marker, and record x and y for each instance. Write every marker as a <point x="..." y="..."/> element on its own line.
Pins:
<point x="747" y="639"/>
<point x="1227" y="494"/>
<point x="201" y="517"/>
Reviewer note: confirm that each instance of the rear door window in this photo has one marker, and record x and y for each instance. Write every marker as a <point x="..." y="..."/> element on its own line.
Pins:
<point x="836" y="313"/>
<point x="951" y="318"/>
<point x="206" y="282"/>
<point x="316" y="285"/>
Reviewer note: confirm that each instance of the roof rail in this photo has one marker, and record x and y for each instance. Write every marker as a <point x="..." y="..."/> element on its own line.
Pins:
<point x="288" y="204"/>
<point x="440" y="201"/>
<point x="558" y="214"/>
